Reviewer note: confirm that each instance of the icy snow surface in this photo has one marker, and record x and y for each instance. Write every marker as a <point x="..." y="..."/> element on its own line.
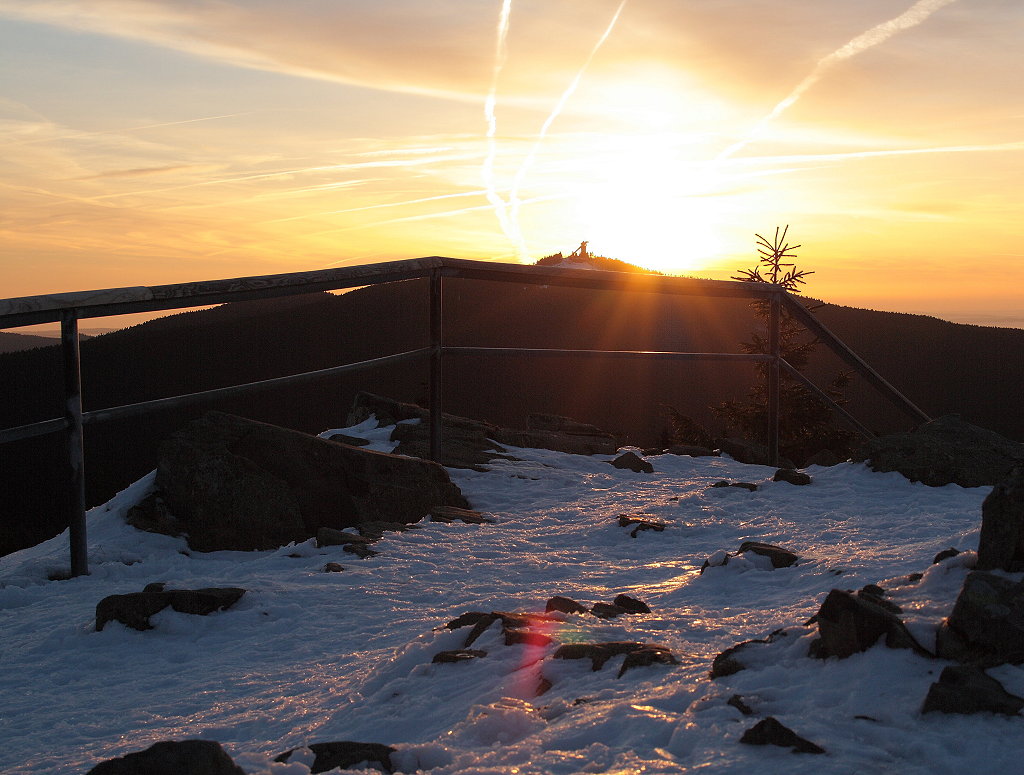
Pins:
<point x="308" y="656"/>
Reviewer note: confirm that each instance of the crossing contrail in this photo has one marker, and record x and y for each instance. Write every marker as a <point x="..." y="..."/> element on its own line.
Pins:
<point x="913" y="16"/>
<point x="514" y="201"/>
<point x="487" y="173"/>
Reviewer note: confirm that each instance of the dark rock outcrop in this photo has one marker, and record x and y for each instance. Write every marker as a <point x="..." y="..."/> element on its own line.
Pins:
<point x="637" y="654"/>
<point x="792" y="476"/>
<point x="640" y="524"/>
<point x="968" y="689"/>
<point x="631" y="604"/>
<point x="607" y="610"/>
<point x="986" y="627"/>
<point x="134" y="609"/>
<point x="344" y="754"/>
<point x="731" y="660"/>
<point x="470" y="443"/>
<point x="184" y="757"/>
<point x="742" y="485"/>
<point x="770" y="731"/>
<point x="1001" y="544"/>
<point x="237" y="484"/>
<point x="781" y="558"/>
<point x="946" y="450"/>
<point x="850" y="623"/>
<point x="565" y="605"/>
<point x="945" y="554"/>
<point x="631" y="461"/>
<point x="744" y="451"/>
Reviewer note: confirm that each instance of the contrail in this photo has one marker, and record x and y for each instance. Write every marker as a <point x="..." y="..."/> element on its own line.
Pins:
<point x="1017" y="145"/>
<point x="487" y="172"/>
<point x="514" y="202"/>
<point x="880" y="33"/>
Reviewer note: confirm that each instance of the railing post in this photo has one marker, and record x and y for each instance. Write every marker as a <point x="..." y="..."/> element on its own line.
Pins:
<point x="74" y="494"/>
<point x="774" y="323"/>
<point x="436" y="345"/>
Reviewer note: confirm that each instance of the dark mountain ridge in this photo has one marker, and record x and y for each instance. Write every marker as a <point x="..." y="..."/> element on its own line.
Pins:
<point x="943" y="367"/>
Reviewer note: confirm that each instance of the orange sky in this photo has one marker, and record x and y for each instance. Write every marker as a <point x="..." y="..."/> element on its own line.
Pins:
<point x="158" y="141"/>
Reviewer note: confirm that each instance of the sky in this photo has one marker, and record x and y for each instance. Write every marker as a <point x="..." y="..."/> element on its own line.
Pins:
<point x="159" y="141"/>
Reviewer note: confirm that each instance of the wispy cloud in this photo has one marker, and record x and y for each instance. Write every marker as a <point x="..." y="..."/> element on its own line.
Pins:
<point x="142" y="172"/>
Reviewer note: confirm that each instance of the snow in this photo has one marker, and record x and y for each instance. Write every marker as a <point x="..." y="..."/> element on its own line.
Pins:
<point x="308" y="656"/>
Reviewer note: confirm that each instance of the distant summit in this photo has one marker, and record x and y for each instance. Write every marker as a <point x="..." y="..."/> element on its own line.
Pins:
<point x="581" y="258"/>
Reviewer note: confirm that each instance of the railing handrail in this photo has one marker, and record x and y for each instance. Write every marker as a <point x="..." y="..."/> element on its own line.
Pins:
<point x="68" y="308"/>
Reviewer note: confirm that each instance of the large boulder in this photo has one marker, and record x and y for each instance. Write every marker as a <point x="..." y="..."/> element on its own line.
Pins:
<point x="1001" y="545"/>
<point x="944" y="451"/>
<point x="849" y="623"/>
<point x="967" y="689"/>
<point x="233" y="483"/>
<point x="134" y="609"/>
<point x="986" y="627"/>
<point x="184" y="757"/>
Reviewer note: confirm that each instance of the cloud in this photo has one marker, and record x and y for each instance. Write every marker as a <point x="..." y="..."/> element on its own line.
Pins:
<point x="142" y="172"/>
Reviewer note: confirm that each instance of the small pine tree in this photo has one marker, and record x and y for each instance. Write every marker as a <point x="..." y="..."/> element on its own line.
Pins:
<point x="806" y="424"/>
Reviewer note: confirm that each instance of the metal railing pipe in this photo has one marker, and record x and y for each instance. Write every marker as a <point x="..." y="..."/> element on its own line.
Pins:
<point x="74" y="485"/>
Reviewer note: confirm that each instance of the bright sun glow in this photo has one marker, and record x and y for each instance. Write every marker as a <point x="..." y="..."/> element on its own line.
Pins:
<point x="649" y="206"/>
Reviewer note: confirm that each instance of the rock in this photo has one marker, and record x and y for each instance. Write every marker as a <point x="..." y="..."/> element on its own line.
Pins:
<point x="824" y="458"/>
<point x="640" y="524"/>
<point x="457" y="655"/>
<point x="742" y="485"/>
<point x="792" y="476"/>
<point x="638" y="654"/>
<point x="565" y="605"/>
<point x="986" y="627"/>
<point x="945" y="554"/>
<point x="553" y="423"/>
<point x="328" y="536"/>
<point x="333" y="567"/>
<point x="449" y="514"/>
<point x="344" y="754"/>
<point x="968" y="689"/>
<point x="468" y="619"/>
<point x="743" y="450"/>
<point x="631" y="604"/>
<point x="607" y="610"/>
<point x="527" y="638"/>
<point x="737" y="702"/>
<point x="463" y="444"/>
<point x="848" y="623"/>
<point x="1001" y="545"/>
<point x="691" y="450"/>
<point x="184" y="757"/>
<point x="769" y="731"/>
<point x="730" y="661"/>
<point x="478" y="438"/>
<point x="875" y="594"/>
<point x="721" y="557"/>
<point x="633" y="462"/>
<point x="244" y="485"/>
<point x="523" y="625"/>
<point x="781" y="558"/>
<point x="946" y="450"/>
<point x="134" y="609"/>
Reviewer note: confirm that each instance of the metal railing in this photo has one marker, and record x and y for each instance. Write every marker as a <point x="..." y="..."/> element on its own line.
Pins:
<point x="69" y="308"/>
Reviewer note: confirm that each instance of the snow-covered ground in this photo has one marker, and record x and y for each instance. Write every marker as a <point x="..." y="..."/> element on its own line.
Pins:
<point x="309" y="656"/>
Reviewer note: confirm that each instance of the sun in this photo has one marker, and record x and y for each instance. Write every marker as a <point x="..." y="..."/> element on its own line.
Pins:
<point x="651" y="209"/>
